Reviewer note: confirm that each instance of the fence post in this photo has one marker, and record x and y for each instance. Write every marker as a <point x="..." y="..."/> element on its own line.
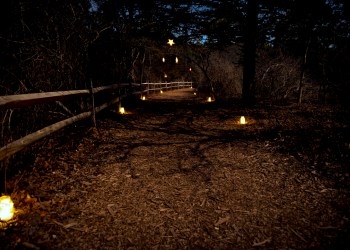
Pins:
<point x="93" y="112"/>
<point x="119" y="99"/>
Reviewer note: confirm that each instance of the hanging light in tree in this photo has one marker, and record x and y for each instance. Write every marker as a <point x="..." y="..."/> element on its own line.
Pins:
<point x="171" y="42"/>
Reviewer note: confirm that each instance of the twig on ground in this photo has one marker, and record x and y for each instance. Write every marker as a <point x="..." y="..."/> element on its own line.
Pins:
<point x="261" y="243"/>
<point x="297" y="234"/>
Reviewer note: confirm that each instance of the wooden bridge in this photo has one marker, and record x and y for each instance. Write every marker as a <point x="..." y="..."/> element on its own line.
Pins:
<point x="177" y="172"/>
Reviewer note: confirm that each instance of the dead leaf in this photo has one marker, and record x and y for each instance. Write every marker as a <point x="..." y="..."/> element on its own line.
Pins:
<point x="222" y="220"/>
<point x="30" y="199"/>
<point x="110" y="209"/>
<point x="30" y="245"/>
<point x="72" y="224"/>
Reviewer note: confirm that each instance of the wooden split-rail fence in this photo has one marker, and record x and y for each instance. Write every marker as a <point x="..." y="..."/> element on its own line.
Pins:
<point x="123" y="90"/>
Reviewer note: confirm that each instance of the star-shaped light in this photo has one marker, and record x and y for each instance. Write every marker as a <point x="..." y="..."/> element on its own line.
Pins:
<point x="170" y="42"/>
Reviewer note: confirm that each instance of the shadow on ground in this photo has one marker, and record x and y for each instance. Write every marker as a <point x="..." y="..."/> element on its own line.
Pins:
<point x="177" y="175"/>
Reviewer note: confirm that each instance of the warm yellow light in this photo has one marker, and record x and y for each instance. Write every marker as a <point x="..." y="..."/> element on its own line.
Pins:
<point x="161" y="91"/>
<point x="6" y="208"/>
<point x="209" y="99"/>
<point x="242" y="120"/>
<point x="163" y="59"/>
<point x="176" y="60"/>
<point x="170" y="42"/>
<point x="165" y="75"/>
<point x="143" y="98"/>
<point x="195" y="93"/>
<point x="121" y="110"/>
<point x="190" y="69"/>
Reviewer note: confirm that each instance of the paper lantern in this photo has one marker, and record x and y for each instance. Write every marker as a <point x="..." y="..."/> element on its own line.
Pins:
<point x="242" y="120"/>
<point x="121" y="110"/>
<point x="7" y="209"/>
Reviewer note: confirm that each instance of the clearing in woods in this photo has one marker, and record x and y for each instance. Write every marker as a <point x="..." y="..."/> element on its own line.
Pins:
<point x="176" y="173"/>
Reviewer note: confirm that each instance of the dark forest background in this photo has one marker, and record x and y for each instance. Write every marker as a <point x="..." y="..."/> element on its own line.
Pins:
<point x="259" y="50"/>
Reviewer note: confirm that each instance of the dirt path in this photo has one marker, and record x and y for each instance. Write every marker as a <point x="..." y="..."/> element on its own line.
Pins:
<point x="184" y="176"/>
<point x="174" y="96"/>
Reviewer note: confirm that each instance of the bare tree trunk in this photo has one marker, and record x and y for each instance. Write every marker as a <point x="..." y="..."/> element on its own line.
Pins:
<point x="302" y="73"/>
<point x="142" y="66"/>
<point x="93" y="112"/>
<point x="249" y="53"/>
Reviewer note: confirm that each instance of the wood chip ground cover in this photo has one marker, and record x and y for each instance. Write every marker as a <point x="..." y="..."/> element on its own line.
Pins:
<point x="187" y="176"/>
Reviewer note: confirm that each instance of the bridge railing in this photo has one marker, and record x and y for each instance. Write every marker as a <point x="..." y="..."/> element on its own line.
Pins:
<point x="24" y="100"/>
<point x="156" y="87"/>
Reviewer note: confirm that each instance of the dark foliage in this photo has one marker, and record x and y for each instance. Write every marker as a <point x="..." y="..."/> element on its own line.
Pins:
<point x="47" y="46"/>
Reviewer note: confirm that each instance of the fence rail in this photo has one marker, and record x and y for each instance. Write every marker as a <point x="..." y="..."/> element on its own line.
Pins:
<point x="125" y="89"/>
<point x="154" y="87"/>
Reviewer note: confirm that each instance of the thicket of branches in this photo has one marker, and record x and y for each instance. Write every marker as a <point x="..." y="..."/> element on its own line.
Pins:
<point x="278" y="77"/>
<point x="49" y="46"/>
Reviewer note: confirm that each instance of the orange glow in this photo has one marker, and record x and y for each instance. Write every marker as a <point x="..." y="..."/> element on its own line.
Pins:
<point x="161" y="91"/>
<point x="143" y="98"/>
<point x="242" y="120"/>
<point x="121" y="110"/>
<point x="209" y="99"/>
<point x="7" y="209"/>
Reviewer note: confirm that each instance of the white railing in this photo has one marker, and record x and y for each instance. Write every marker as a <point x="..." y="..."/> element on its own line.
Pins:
<point x="156" y="87"/>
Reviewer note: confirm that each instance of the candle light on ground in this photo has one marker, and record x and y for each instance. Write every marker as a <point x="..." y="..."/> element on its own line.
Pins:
<point x="242" y="120"/>
<point x="6" y="208"/>
<point x="121" y="110"/>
